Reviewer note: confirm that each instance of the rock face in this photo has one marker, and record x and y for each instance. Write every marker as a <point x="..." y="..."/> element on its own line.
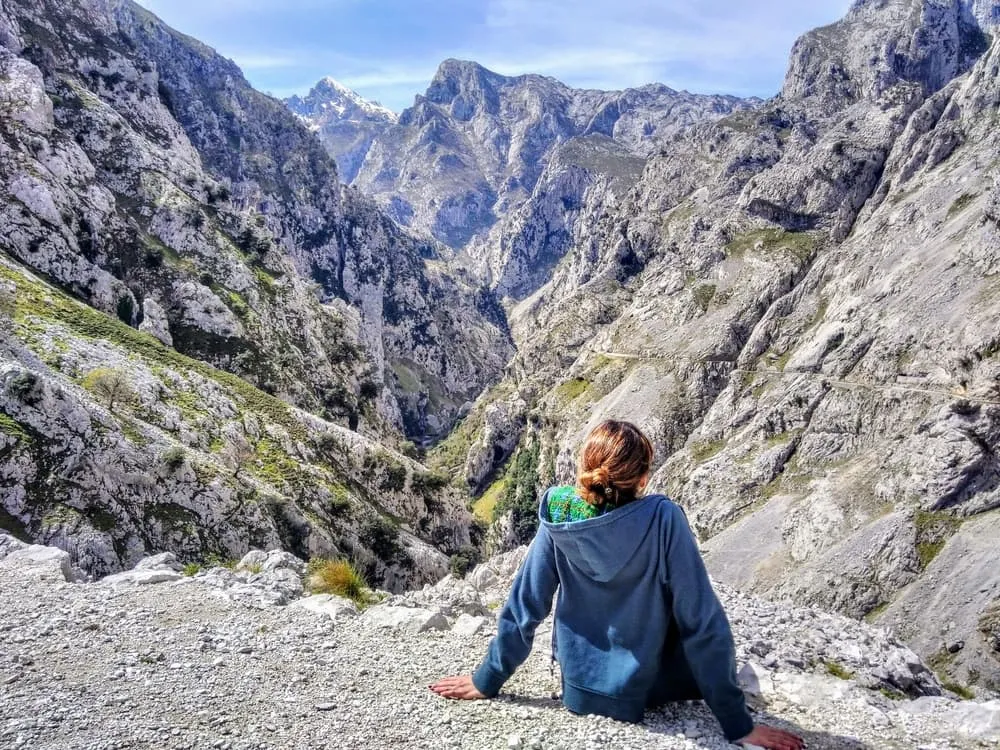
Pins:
<point x="499" y="167"/>
<point x="797" y="303"/>
<point x="206" y="342"/>
<point x="143" y="174"/>
<point x="346" y="122"/>
<point x="178" y="650"/>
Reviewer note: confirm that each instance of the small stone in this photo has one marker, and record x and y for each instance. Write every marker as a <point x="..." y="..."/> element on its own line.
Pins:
<point x="514" y="741"/>
<point x="325" y="706"/>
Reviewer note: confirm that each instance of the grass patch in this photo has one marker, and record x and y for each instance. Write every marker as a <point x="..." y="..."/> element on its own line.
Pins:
<point x="571" y="390"/>
<point x="873" y="614"/>
<point x="337" y="577"/>
<point x="961" y="203"/>
<point x="701" y="452"/>
<point x="10" y="426"/>
<point x="484" y="507"/>
<point x="958" y="689"/>
<point x="782" y="438"/>
<point x="191" y="568"/>
<point x="838" y="670"/>
<point x="933" y="530"/>
<point x="893" y="695"/>
<point x="801" y="245"/>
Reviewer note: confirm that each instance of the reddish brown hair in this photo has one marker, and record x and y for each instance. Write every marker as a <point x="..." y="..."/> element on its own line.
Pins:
<point x="613" y="461"/>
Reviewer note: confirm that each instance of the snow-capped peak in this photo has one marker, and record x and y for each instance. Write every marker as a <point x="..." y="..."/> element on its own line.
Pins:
<point x="331" y="99"/>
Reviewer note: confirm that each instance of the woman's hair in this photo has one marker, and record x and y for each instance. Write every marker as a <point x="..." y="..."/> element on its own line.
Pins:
<point x="613" y="461"/>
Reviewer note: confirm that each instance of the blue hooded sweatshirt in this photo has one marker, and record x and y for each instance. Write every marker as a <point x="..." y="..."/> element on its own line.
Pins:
<point x="632" y="591"/>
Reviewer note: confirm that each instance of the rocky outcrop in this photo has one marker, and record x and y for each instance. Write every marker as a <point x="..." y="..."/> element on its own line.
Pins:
<point x="794" y="302"/>
<point x="113" y="444"/>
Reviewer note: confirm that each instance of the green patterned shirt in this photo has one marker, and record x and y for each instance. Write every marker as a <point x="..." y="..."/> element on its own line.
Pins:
<point x="565" y="505"/>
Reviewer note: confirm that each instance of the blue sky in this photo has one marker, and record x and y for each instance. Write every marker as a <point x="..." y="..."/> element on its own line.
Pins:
<point x="388" y="50"/>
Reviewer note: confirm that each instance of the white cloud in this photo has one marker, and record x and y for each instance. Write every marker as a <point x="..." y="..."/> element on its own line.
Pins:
<point x="389" y="49"/>
<point x="660" y="39"/>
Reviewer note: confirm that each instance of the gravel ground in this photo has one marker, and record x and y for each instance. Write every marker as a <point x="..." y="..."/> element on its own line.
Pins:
<point x="179" y="665"/>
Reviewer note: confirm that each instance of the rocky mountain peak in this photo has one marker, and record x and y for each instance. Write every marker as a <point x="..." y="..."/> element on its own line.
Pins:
<point x="929" y="43"/>
<point x="330" y="98"/>
<point x="465" y="86"/>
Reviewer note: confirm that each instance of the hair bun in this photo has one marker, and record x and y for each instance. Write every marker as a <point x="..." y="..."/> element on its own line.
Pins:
<point x="596" y="486"/>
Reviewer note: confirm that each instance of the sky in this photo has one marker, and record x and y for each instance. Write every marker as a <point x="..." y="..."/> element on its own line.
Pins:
<point x="388" y="50"/>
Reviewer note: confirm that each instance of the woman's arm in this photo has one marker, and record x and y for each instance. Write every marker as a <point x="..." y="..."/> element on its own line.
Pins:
<point x="706" y="637"/>
<point x="529" y="603"/>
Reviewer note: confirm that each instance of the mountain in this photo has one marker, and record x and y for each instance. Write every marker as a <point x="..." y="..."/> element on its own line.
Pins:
<point x="497" y="166"/>
<point x="346" y="122"/>
<point x="208" y="341"/>
<point x="796" y="301"/>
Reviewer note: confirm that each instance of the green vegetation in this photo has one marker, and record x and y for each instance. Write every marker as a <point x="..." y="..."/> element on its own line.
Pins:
<point x="174" y="457"/>
<point x="10" y="426"/>
<point x="782" y="438"/>
<point x="571" y="390"/>
<point x="703" y="295"/>
<point x="961" y="203"/>
<point x="893" y="695"/>
<point x="381" y="536"/>
<point x="743" y="121"/>
<point x="702" y="452"/>
<point x="448" y="457"/>
<point x="958" y="689"/>
<point x="337" y="577"/>
<point x="520" y="493"/>
<point x="933" y="530"/>
<point x="191" y="568"/>
<point x="464" y="560"/>
<point x="782" y="361"/>
<point x="42" y="302"/>
<point x="485" y="507"/>
<point x="873" y="614"/>
<point x="111" y="386"/>
<point x="801" y="245"/>
<point x="24" y="386"/>
<point x="838" y="670"/>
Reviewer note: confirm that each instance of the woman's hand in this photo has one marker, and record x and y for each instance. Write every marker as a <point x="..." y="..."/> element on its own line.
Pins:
<point x="459" y="688"/>
<point x="773" y="739"/>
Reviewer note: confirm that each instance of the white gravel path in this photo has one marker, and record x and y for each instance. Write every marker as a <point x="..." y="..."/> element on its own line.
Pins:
<point x="177" y="665"/>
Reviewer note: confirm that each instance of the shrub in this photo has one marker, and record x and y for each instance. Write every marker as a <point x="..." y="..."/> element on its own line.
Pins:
<point x="191" y="569"/>
<point x="24" y="387"/>
<point x="463" y="561"/>
<point x="958" y="689"/>
<point x="174" y="457"/>
<point x="395" y="478"/>
<point x="382" y="538"/>
<point x="839" y="670"/>
<point x="337" y="577"/>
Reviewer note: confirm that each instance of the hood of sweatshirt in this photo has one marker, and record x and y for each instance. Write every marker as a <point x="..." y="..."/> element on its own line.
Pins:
<point x="601" y="547"/>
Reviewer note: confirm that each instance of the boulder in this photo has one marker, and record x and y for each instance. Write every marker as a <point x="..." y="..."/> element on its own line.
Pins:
<point x="405" y="619"/>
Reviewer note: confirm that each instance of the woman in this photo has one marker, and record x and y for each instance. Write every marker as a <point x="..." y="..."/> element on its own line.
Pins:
<point x="637" y="623"/>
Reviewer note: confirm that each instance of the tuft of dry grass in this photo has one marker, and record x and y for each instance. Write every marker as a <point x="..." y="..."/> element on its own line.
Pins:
<point x="337" y="577"/>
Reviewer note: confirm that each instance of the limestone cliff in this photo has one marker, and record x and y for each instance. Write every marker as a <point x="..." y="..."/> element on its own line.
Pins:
<point x="797" y="304"/>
